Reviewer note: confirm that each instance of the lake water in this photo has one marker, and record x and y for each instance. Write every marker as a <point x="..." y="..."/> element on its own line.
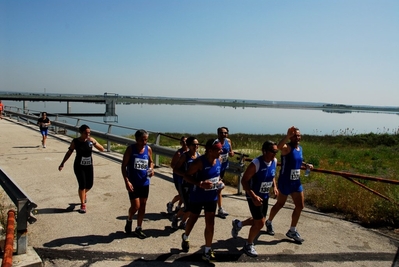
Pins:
<point x="195" y="119"/>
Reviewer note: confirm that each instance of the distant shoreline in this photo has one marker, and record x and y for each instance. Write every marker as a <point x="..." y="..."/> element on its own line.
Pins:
<point x="234" y="103"/>
<point x="330" y="108"/>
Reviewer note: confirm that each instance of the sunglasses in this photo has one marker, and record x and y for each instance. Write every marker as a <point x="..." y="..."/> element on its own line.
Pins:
<point x="273" y="151"/>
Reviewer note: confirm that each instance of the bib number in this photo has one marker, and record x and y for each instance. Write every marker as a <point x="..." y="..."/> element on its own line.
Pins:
<point x="85" y="161"/>
<point x="265" y="187"/>
<point x="224" y="157"/>
<point x="141" y="164"/>
<point x="214" y="183"/>
<point x="295" y="174"/>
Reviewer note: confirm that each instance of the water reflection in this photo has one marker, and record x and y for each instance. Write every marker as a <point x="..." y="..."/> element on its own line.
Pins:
<point x="194" y="119"/>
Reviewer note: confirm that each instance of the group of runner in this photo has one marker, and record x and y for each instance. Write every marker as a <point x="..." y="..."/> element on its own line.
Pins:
<point x="198" y="180"/>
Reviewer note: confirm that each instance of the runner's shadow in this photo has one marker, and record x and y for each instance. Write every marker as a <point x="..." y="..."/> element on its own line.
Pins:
<point x="85" y="240"/>
<point x="70" y="208"/>
<point x="25" y="146"/>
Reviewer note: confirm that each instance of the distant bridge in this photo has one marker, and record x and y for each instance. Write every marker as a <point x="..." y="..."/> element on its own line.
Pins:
<point x="109" y="99"/>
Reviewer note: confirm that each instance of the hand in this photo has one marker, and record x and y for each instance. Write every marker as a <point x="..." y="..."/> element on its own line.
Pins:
<point x="310" y="166"/>
<point x="206" y="184"/>
<point x="291" y="131"/>
<point x="257" y="201"/>
<point x="129" y="186"/>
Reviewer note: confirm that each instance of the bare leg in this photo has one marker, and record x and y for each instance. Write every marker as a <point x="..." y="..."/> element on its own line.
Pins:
<point x="281" y="199"/>
<point x="141" y="212"/>
<point x="299" y="201"/>
<point x="209" y="228"/>
<point x="255" y="229"/>
<point x="134" y="206"/>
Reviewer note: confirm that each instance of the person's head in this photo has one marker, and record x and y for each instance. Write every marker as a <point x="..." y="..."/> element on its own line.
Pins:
<point x="269" y="150"/>
<point x="141" y="137"/>
<point x="222" y="132"/>
<point x="44" y="114"/>
<point x="84" y="130"/>
<point x="296" y="138"/>
<point x="192" y="143"/>
<point x="213" y="147"/>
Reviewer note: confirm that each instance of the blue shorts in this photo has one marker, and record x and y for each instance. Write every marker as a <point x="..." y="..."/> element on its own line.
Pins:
<point x="287" y="188"/>
<point x="44" y="131"/>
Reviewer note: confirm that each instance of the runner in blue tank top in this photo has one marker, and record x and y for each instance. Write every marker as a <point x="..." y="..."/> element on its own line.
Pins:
<point x="184" y="162"/>
<point x="227" y="151"/>
<point x="257" y="180"/>
<point x="204" y="174"/>
<point x="289" y="182"/>
<point x="137" y="169"/>
<point x="177" y="179"/>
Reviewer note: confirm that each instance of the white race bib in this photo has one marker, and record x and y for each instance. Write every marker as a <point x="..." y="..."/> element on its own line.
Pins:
<point x="141" y="164"/>
<point x="214" y="182"/>
<point x="224" y="158"/>
<point x="85" y="161"/>
<point x="295" y="174"/>
<point x="265" y="187"/>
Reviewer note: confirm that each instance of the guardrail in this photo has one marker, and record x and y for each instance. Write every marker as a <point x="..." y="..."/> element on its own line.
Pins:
<point x="24" y="210"/>
<point x="25" y="115"/>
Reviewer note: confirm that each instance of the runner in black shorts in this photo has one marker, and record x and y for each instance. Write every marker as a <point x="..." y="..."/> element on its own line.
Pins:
<point x="83" y="164"/>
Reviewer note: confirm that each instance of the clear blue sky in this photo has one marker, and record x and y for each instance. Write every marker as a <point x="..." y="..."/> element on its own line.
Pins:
<point x="341" y="51"/>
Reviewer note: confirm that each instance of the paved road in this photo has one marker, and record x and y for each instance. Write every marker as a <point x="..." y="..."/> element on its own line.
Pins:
<point x="63" y="237"/>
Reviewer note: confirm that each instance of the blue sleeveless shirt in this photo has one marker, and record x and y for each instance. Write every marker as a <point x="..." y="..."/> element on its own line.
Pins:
<point x="208" y="172"/>
<point x="138" y="166"/>
<point x="291" y="166"/>
<point x="262" y="181"/>
<point x="225" y="154"/>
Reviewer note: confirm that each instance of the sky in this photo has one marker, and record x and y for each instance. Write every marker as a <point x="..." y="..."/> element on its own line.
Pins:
<point x="341" y="51"/>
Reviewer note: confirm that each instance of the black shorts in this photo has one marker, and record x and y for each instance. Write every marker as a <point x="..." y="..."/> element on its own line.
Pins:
<point x="196" y="207"/>
<point x="258" y="212"/>
<point x="139" y="192"/>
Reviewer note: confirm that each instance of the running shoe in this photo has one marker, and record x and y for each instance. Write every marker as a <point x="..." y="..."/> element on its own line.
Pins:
<point x="82" y="208"/>
<point x="236" y="228"/>
<point x="269" y="228"/>
<point x="174" y="222"/>
<point x="169" y="207"/>
<point x="139" y="233"/>
<point x="295" y="235"/>
<point x="209" y="256"/>
<point x="222" y="213"/>
<point x="185" y="244"/>
<point x="250" y="250"/>
<point x="128" y="227"/>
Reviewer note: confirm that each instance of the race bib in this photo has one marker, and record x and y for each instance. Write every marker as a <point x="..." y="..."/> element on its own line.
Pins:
<point x="295" y="174"/>
<point x="214" y="182"/>
<point x="224" y="158"/>
<point x="141" y="164"/>
<point x="85" y="161"/>
<point x="265" y="187"/>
